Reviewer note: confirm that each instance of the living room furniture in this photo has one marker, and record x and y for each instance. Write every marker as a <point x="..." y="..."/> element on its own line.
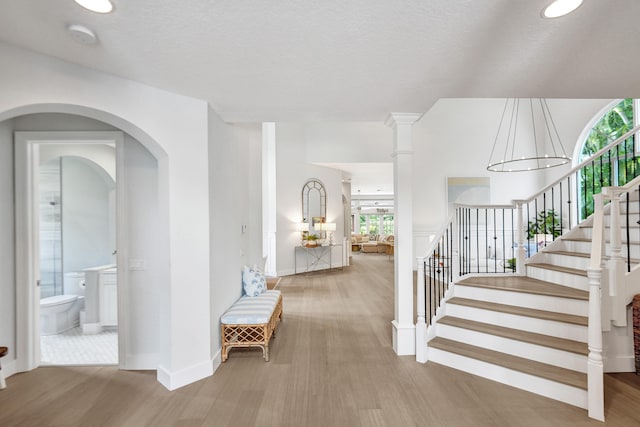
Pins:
<point x="251" y="322"/>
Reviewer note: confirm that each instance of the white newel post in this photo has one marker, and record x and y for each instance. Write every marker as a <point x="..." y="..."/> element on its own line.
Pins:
<point x="520" y="251"/>
<point x="616" y="264"/>
<point x="421" y="324"/>
<point x="595" y="367"/>
<point x="404" y="340"/>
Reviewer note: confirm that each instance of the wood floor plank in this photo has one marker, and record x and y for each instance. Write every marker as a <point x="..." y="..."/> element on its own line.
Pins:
<point x="332" y="364"/>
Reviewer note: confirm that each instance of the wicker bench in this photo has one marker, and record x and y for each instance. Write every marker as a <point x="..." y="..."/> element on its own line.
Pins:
<point x="251" y="322"/>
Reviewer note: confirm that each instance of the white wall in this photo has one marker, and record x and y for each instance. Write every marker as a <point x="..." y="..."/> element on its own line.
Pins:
<point x="236" y="216"/>
<point x="291" y="175"/>
<point x="174" y="129"/>
<point x="85" y="216"/>
<point x="7" y="252"/>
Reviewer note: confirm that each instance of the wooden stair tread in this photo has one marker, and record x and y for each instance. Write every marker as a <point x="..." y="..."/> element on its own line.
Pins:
<point x="587" y="240"/>
<point x="568" y="253"/>
<point x="559" y="268"/>
<point x="537" y="369"/>
<point x="517" y="334"/>
<point x="521" y="311"/>
<point x="526" y="285"/>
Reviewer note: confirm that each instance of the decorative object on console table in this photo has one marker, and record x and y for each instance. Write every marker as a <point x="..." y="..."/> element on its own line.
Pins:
<point x="311" y="241"/>
<point x="303" y="228"/>
<point x="329" y="227"/>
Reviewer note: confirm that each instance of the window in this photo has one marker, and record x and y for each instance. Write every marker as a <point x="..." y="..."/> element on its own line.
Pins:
<point x="387" y="225"/>
<point x="618" y="166"/>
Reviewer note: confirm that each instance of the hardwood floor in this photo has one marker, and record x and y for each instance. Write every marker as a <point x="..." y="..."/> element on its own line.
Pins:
<point x="331" y="365"/>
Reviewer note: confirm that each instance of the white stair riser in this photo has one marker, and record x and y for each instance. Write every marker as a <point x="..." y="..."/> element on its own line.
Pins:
<point x="585" y="248"/>
<point x="521" y="299"/>
<point x="538" y="353"/>
<point x="558" y="277"/>
<point x="569" y="261"/>
<point x="530" y="324"/>
<point x="587" y="233"/>
<point x="564" y="393"/>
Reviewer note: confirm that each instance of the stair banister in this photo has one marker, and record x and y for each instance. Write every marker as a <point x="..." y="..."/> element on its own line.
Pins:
<point x="520" y="253"/>
<point x="586" y="162"/>
<point x="595" y="366"/>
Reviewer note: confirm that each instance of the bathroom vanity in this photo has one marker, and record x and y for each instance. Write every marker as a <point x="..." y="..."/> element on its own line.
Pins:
<point x="101" y="298"/>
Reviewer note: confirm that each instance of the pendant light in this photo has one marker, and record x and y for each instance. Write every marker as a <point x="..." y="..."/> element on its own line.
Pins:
<point x="527" y="138"/>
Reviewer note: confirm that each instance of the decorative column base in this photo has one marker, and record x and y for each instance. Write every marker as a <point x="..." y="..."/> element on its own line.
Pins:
<point x="404" y="339"/>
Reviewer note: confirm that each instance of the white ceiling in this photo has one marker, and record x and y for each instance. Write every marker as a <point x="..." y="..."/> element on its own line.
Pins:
<point x="344" y="60"/>
<point x="367" y="178"/>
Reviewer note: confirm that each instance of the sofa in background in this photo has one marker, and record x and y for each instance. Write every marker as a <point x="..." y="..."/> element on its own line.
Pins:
<point x="371" y="243"/>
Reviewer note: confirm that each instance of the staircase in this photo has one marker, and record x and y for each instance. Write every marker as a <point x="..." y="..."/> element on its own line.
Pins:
<point x="529" y="331"/>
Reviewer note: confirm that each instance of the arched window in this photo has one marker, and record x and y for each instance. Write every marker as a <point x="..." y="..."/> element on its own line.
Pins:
<point x="613" y="168"/>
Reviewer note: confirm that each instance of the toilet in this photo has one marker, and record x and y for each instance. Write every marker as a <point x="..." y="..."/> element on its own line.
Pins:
<point x="60" y="313"/>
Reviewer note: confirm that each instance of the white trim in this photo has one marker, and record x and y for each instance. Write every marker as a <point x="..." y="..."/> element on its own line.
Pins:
<point x="404" y="339"/>
<point x="140" y="362"/>
<point x="26" y="145"/>
<point x="175" y="380"/>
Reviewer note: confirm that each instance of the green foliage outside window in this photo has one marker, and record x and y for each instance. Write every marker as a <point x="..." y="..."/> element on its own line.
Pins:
<point x="387" y="224"/>
<point x="619" y="162"/>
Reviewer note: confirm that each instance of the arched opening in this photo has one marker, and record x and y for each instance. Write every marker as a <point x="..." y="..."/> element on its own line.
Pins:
<point x="141" y="166"/>
<point x="618" y="166"/>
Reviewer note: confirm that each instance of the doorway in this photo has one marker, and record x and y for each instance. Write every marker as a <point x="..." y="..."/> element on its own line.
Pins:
<point x="70" y="209"/>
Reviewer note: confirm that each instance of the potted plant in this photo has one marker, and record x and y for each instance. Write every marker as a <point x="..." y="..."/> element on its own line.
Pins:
<point x="545" y="223"/>
<point x="312" y="241"/>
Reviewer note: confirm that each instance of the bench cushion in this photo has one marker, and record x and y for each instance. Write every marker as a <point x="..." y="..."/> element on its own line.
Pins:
<point x="252" y="310"/>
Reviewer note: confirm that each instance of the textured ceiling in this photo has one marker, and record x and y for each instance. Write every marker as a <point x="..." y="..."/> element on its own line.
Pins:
<point x="344" y="60"/>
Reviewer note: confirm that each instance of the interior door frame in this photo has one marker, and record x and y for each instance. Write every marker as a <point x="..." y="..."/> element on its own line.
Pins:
<point x="26" y="155"/>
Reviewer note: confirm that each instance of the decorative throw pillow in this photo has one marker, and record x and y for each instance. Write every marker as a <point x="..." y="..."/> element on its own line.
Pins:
<point x="253" y="281"/>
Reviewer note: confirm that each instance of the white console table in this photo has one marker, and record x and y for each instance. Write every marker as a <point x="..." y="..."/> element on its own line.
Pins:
<point x="317" y="257"/>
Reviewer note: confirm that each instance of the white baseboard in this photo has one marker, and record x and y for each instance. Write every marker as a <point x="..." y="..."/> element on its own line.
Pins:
<point x="183" y="377"/>
<point x="404" y="339"/>
<point x="619" y="364"/>
<point x="217" y="360"/>
<point x="140" y="362"/>
<point x="91" y="328"/>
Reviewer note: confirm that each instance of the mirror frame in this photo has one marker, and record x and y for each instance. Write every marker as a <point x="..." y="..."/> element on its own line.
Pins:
<point x="313" y="184"/>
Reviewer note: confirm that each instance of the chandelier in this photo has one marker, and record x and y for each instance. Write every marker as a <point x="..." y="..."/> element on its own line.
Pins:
<point x="527" y="138"/>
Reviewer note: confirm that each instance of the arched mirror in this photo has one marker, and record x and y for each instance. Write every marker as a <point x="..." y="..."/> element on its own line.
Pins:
<point x="314" y="205"/>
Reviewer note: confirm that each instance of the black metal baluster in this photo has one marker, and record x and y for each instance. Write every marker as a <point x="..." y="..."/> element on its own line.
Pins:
<point x="569" y="200"/>
<point x="477" y="241"/>
<point x="486" y="239"/>
<point x="628" y="236"/>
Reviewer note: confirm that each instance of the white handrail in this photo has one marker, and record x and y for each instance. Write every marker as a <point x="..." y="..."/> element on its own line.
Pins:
<point x="585" y="162"/>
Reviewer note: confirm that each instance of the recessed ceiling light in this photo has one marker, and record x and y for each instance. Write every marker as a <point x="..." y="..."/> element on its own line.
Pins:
<point x="82" y="34"/>
<point x="558" y="8"/>
<point x="99" y="6"/>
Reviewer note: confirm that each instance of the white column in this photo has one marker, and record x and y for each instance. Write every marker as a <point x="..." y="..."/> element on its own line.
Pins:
<point x="421" y="324"/>
<point x="269" y="197"/>
<point x="403" y="326"/>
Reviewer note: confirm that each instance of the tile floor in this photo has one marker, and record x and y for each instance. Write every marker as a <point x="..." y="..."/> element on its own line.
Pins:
<point x="74" y="348"/>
